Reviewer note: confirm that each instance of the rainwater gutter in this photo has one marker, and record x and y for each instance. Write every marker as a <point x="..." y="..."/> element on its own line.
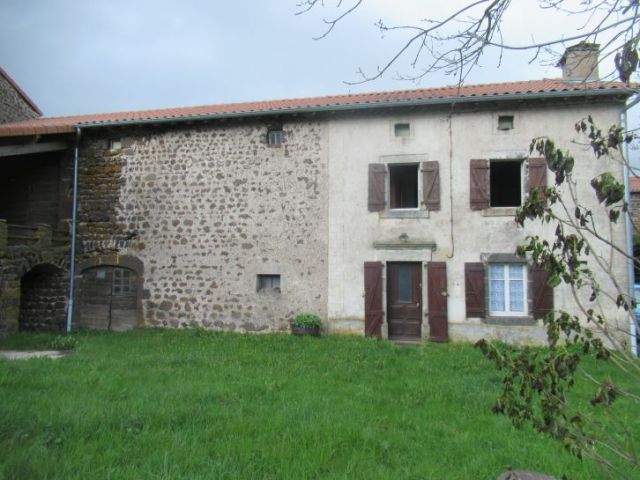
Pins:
<point x="74" y="217"/>
<point x="629" y="229"/>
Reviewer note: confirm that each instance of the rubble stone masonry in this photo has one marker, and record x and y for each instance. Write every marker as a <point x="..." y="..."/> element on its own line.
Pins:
<point x="207" y="209"/>
<point x="12" y="106"/>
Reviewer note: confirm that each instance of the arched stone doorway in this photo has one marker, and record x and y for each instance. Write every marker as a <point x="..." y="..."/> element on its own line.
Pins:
<point x="43" y="299"/>
<point x="110" y="294"/>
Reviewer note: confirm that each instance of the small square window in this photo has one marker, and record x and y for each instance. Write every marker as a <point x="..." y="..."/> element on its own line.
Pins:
<point x="115" y="144"/>
<point x="275" y="138"/>
<point x="403" y="186"/>
<point x="508" y="289"/>
<point x="505" y="179"/>
<point x="268" y="282"/>
<point x="505" y="122"/>
<point x="402" y="130"/>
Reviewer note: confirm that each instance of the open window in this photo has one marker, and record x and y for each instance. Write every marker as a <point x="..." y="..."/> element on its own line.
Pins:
<point x="505" y="183"/>
<point x="403" y="186"/>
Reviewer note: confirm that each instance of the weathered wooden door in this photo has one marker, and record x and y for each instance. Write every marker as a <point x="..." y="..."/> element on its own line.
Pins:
<point x="437" y="298"/>
<point x="109" y="298"/>
<point x="404" y="301"/>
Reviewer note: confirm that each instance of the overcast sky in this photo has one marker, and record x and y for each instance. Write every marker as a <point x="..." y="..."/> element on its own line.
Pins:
<point x="80" y="56"/>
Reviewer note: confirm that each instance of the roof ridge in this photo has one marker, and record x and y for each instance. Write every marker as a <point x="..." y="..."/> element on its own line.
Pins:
<point x="338" y="95"/>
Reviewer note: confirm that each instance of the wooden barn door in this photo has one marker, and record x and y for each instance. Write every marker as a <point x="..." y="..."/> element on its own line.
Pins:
<point x="404" y="301"/>
<point x="437" y="298"/>
<point x="109" y="298"/>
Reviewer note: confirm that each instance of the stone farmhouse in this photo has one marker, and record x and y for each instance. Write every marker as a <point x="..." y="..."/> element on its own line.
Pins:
<point x="388" y="214"/>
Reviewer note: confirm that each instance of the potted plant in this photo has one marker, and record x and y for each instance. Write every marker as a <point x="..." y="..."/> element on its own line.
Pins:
<point x="306" y="324"/>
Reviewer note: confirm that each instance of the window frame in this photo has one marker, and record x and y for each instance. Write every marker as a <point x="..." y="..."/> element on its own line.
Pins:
<point x="419" y="187"/>
<point x="508" y="118"/>
<point x="408" y="130"/>
<point x="262" y="278"/>
<point x="507" y="290"/>
<point x="276" y="132"/>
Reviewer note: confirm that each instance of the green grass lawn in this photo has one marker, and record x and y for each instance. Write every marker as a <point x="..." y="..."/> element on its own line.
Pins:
<point x="155" y="404"/>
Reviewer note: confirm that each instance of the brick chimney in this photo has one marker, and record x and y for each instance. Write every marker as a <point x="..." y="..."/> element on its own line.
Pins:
<point x="580" y="63"/>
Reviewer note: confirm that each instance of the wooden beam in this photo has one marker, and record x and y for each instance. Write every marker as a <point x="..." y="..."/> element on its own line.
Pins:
<point x="12" y="150"/>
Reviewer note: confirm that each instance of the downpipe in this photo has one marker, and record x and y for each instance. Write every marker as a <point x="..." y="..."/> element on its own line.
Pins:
<point x="74" y="217"/>
<point x="629" y="230"/>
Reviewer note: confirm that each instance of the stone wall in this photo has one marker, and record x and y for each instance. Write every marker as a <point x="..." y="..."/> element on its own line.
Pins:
<point x="44" y="265"/>
<point x="13" y="106"/>
<point x="43" y="299"/>
<point x="207" y="209"/>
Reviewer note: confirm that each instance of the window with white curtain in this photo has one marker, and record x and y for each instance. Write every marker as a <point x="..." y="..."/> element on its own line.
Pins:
<point x="507" y="289"/>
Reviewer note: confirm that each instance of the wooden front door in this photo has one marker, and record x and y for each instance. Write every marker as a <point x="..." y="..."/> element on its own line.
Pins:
<point x="404" y="301"/>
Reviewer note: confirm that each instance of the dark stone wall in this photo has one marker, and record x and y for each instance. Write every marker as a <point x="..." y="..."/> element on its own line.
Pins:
<point x="12" y="106"/>
<point x="43" y="295"/>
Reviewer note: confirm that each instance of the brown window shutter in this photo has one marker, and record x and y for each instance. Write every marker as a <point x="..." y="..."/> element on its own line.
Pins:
<point x="377" y="183"/>
<point x="541" y="293"/>
<point x="437" y="298"/>
<point x="474" y="289"/>
<point x="431" y="185"/>
<point x="479" y="198"/>
<point x="536" y="173"/>
<point x="373" y="299"/>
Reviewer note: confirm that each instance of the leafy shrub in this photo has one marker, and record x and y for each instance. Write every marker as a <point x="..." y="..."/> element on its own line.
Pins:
<point x="306" y="320"/>
<point x="63" y="342"/>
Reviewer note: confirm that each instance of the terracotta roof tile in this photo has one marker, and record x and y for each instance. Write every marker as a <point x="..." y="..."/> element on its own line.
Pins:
<point x="634" y="184"/>
<point x="397" y="97"/>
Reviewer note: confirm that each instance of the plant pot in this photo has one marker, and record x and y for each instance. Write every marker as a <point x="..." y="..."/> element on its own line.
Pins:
<point x="299" y="331"/>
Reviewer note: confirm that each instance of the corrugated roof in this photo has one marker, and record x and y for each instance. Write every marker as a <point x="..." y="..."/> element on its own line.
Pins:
<point x="391" y="98"/>
<point x="634" y="184"/>
<point x="17" y="88"/>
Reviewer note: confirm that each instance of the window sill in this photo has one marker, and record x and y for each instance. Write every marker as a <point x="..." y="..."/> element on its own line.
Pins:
<point x="500" y="212"/>
<point x="511" y="321"/>
<point x="269" y="291"/>
<point x="404" y="214"/>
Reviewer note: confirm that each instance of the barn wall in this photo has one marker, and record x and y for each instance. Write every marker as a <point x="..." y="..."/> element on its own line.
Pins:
<point x="206" y="209"/>
<point x="12" y="106"/>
